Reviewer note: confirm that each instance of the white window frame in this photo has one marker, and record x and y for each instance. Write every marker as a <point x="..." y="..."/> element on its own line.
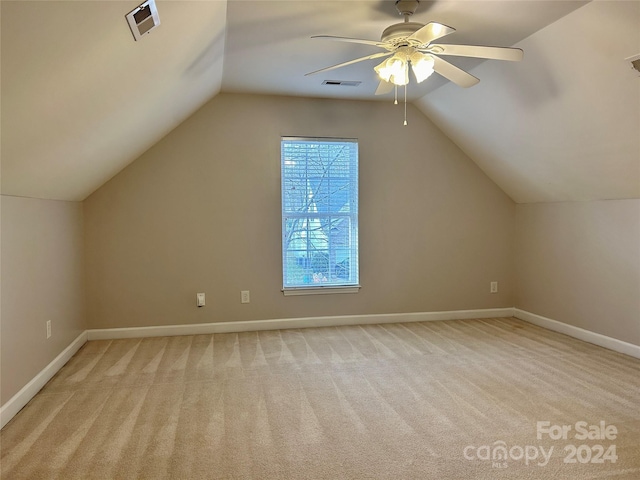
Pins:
<point x="352" y="285"/>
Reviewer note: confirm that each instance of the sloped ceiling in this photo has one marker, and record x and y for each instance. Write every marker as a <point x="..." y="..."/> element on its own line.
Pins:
<point x="81" y="99"/>
<point x="564" y="125"/>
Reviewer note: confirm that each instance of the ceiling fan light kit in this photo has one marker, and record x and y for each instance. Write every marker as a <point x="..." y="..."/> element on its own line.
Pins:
<point x="410" y="43"/>
<point x="396" y="69"/>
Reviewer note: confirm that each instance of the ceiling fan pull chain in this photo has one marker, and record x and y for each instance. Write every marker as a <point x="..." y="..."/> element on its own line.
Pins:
<point x="395" y="99"/>
<point x="405" y="104"/>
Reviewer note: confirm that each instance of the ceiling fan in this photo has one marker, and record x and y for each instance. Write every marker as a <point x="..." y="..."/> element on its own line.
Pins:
<point x="410" y="43"/>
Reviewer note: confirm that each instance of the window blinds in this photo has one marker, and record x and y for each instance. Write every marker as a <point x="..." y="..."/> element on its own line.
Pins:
<point x="319" y="212"/>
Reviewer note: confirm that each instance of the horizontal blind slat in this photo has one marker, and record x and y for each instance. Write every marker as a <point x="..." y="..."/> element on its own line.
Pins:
<point x="320" y="211"/>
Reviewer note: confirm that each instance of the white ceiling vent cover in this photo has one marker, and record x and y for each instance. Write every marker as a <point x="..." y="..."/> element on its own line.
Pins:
<point x="143" y="19"/>
<point x="635" y="63"/>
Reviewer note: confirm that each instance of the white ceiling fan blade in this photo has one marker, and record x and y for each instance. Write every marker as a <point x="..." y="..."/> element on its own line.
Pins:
<point x="431" y="31"/>
<point x="477" y="51"/>
<point x="368" y="57"/>
<point x="351" y="40"/>
<point x="384" y="87"/>
<point x="453" y="73"/>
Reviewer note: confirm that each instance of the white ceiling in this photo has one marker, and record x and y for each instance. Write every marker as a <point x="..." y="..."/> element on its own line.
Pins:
<point x="269" y="49"/>
<point x="565" y="124"/>
<point x="81" y="99"/>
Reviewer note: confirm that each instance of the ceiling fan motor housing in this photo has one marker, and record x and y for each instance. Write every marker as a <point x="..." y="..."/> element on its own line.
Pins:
<point x="399" y="32"/>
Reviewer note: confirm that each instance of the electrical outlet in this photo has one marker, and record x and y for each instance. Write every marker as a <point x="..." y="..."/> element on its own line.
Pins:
<point x="48" y="328"/>
<point x="494" y="287"/>
<point x="244" y="296"/>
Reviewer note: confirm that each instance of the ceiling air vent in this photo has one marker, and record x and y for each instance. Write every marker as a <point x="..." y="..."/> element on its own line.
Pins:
<point x="143" y="19"/>
<point x="635" y="63"/>
<point x="342" y="83"/>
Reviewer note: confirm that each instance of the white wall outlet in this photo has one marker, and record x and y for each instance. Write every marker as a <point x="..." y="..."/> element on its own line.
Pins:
<point x="48" y="328"/>
<point x="494" y="287"/>
<point x="200" y="299"/>
<point x="244" y="296"/>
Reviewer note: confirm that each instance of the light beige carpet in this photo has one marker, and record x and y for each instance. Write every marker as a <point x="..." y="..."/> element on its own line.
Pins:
<point x="431" y="400"/>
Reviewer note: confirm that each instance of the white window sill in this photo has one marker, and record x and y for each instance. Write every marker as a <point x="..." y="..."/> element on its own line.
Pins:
<point x="320" y="290"/>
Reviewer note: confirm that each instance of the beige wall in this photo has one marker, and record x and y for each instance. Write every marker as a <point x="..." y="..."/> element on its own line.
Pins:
<point x="199" y="212"/>
<point x="579" y="263"/>
<point x="42" y="279"/>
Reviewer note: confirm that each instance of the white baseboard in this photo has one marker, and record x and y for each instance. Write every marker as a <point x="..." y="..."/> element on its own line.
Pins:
<point x="254" y="325"/>
<point x="579" y="333"/>
<point x="20" y="399"/>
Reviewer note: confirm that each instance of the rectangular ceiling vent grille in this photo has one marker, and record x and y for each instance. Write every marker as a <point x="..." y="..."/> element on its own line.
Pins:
<point x="342" y="83"/>
<point x="143" y="19"/>
<point x="635" y="63"/>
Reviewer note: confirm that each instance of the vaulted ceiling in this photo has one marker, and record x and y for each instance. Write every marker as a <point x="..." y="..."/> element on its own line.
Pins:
<point x="81" y="99"/>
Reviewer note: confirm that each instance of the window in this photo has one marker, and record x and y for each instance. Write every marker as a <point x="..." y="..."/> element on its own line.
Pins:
<point x="319" y="215"/>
